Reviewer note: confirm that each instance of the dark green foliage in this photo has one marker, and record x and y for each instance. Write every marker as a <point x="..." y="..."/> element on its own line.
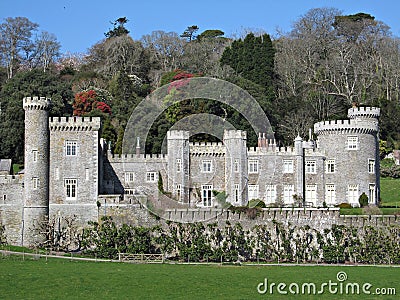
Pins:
<point x="119" y="28"/>
<point x="230" y="243"/>
<point x="28" y="84"/>
<point x="363" y="200"/>
<point x="3" y="239"/>
<point x="252" y="58"/>
<point x="210" y="34"/>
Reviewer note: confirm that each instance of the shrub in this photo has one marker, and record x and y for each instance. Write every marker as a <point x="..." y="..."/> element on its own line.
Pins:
<point x="344" y="205"/>
<point x="371" y="210"/>
<point x="363" y="200"/>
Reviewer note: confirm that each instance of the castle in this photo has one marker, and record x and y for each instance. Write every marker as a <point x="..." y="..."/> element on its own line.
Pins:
<point x="69" y="170"/>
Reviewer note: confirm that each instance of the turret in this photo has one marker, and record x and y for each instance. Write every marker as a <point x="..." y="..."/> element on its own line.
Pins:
<point x="36" y="178"/>
<point x="236" y="167"/>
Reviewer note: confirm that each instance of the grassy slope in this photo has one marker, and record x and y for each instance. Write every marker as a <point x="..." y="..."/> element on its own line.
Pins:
<point x="390" y="191"/>
<point x="56" y="279"/>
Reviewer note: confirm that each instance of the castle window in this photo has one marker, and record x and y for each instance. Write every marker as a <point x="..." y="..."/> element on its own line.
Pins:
<point x="253" y="166"/>
<point x="352" y="142"/>
<point x="311" y="193"/>
<point x="70" y="188"/>
<point x="236" y="166"/>
<point x="236" y="188"/>
<point x="287" y="166"/>
<point x="270" y="193"/>
<point x="151" y="176"/>
<point x="206" y="195"/>
<point x="371" y="166"/>
<point x="253" y="191"/>
<point x="330" y="194"/>
<point x="206" y="166"/>
<point x="330" y="166"/>
<point x="4" y="199"/>
<point x="129" y="191"/>
<point x="371" y="193"/>
<point x="129" y="177"/>
<point x="71" y="148"/>
<point x="178" y="165"/>
<point x="352" y="193"/>
<point x="57" y="173"/>
<point x="87" y="174"/>
<point x="288" y="192"/>
<point x="178" y="192"/>
<point x="34" y="155"/>
<point x="311" y="166"/>
<point x="35" y="183"/>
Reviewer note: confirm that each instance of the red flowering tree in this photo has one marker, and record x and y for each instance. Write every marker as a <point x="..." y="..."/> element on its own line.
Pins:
<point x="90" y="102"/>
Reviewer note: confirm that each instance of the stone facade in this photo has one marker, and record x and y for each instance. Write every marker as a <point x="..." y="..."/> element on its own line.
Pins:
<point x="70" y="171"/>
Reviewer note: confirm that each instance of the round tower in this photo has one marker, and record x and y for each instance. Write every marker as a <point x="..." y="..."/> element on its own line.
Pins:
<point x="36" y="177"/>
<point x="351" y="149"/>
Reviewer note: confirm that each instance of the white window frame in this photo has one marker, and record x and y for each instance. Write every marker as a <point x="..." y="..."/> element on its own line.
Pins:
<point x="129" y="176"/>
<point x="372" y="193"/>
<point x="288" y="192"/>
<point x="35" y="183"/>
<point x="87" y="174"/>
<point x="371" y="166"/>
<point x="288" y="166"/>
<point x="151" y="176"/>
<point x="253" y="190"/>
<point x="206" y="166"/>
<point x="352" y="142"/>
<point x="253" y="166"/>
<point x="206" y="195"/>
<point x="236" y="166"/>
<point x="35" y="154"/>
<point x="311" y="167"/>
<point x="178" y="165"/>
<point x="330" y="166"/>
<point x="270" y="193"/>
<point x="311" y="193"/>
<point x="178" y="192"/>
<point x="57" y="173"/>
<point x="129" y="191"/>
<point x="352" y="193"/>
<point x="236" y="193"/>
<point x="330" y="194"/>
<point x="71" y="148"/>
<point x="71" y="188"/>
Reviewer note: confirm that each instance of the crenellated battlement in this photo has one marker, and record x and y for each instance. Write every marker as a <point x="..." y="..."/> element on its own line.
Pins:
<point x="36" y="103"/>
<point x="115" y="158"/>
<point x="11" y="179"/>
<point x="235" y="134"/>
<point x="352" y="126"/>
<point x="272" y="149"/>
<point x="363" y="112"/>
<point x="74" y="123"/>
<point x="207" y="149"/>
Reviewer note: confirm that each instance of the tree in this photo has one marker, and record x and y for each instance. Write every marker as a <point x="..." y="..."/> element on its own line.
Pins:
<point x="15" y="40"/>
<point x="119" y="54"/>
<point x="47" y="50"/>
<point x="252" y="58"/>
<point x="119" y="28"/>
<point x="28" y="84"/>
<point x="189" y="33"/>
<point x="210" y="34"/>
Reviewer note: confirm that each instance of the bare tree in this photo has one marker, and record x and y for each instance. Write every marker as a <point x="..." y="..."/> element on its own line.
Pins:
<point x="15" y="39"/>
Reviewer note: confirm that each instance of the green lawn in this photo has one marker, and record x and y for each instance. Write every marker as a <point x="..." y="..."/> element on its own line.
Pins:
<point x="64" y="279"/>
<point x="390" y="191"/>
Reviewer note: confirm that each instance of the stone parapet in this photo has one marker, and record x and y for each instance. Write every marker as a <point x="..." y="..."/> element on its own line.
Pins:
<point x="363" y="112"/>
<point x="74" y="123"/>
<point x="353" y="126"/>
<point x="36" y="103"/>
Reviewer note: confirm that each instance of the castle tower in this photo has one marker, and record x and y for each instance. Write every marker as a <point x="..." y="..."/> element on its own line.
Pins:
<point x="36" y="178"/>
<point x="351" y="150"/>
<point x="178" y="164"/>
<point x="236" y="165"/>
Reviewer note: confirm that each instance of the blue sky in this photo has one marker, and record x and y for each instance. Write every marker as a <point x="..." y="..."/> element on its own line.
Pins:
<point x="79" y="24"/>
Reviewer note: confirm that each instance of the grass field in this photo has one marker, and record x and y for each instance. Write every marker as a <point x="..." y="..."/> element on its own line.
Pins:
<point x="390" y="191"/>
<point x="64" y="279"/>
